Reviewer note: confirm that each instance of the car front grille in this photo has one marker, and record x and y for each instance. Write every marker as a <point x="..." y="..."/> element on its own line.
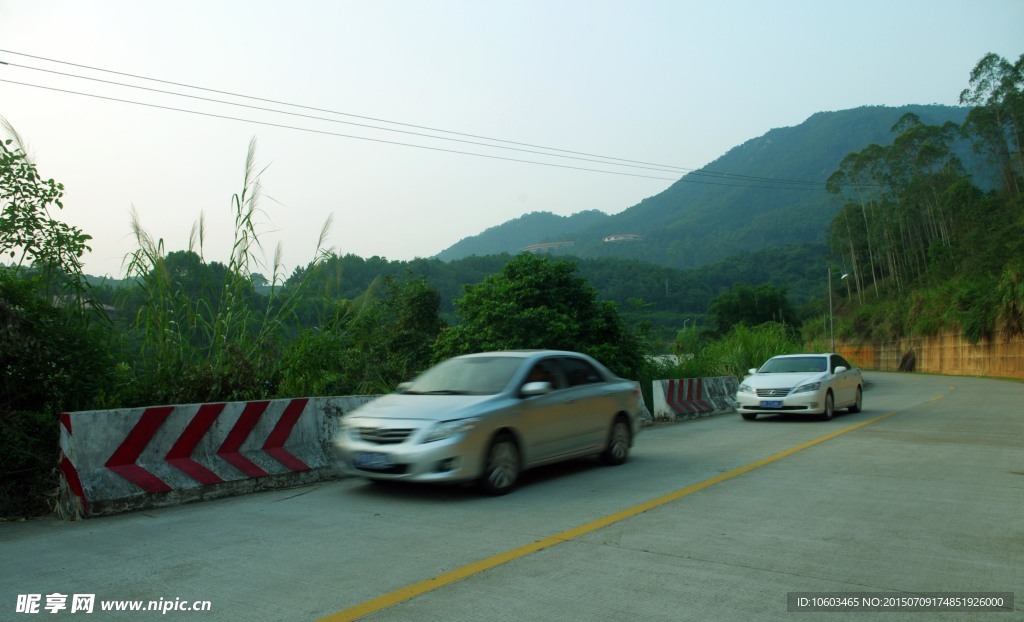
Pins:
<point x="384" y="436"/>
<point x="772" y="392"/>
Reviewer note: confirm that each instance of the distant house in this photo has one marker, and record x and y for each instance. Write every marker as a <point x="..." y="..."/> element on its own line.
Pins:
<point x="547" y="247"/>
<point x="623" y="237"/>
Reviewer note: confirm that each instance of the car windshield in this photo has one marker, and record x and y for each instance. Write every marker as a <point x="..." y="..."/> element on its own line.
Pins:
<point x="794" y="364"/>
<point x="478" y="375"/>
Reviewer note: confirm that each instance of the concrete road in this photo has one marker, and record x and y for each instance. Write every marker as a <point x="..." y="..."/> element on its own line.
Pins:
<point x="715" y="519"/>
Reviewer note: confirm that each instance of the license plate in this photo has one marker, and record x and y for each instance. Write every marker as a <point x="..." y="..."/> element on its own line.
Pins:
<point x="371" y="460"/>
<point x="771" y="403"/>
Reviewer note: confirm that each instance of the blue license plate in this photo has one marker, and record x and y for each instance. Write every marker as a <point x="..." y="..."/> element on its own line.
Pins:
<point x="371" y="460"/>
<point x="771" y="403"/>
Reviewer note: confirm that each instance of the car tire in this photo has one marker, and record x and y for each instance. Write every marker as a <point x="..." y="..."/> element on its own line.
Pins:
<point x="830" y="406"/>
<point x="501" y="466"/>
<point x="748" y="416"/>
<point x="619" y="440"/>
<point x="858" y="404"/>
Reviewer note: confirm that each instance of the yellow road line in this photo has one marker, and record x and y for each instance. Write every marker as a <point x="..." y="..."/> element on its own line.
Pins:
<point x="417" y="589"/>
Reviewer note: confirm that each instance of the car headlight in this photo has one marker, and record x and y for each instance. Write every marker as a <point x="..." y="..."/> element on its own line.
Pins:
<point x="448" y="429"/>
<point x="810" y="387"/>
<point x="744" y="388"/>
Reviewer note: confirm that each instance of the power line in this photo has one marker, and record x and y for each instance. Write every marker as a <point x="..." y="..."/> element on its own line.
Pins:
<point x="316" y="118"/>
<point x="324" y="132"/>
<point x="604" y="159"/>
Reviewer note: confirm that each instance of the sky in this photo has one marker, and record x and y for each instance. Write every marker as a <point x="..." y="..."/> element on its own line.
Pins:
<point x="414" y="124"/>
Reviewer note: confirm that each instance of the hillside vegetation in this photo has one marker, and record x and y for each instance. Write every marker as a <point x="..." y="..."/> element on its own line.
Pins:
<point x="768" y="192"/>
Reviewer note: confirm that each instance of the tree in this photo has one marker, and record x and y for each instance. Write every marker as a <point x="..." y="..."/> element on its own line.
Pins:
<point x="997" y="119"/>
<point x="365" y="345"/>
<point x="538" y="303"/>
<point x="27" y="231"/>
<point x="751" y="305"/>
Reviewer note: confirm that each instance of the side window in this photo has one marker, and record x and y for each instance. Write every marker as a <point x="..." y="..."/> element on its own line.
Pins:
<point x="578" y="372"/>
<point x="545" y="371"/>
<point x="836" y="361"/>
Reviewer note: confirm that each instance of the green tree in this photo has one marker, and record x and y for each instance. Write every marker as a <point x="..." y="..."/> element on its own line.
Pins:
<point x="997" y="119"/>
<point x="751" y="305"/>
<point x="539" y="303"/>
<point x="365" y="345"/>
<point x="28" y="233"/>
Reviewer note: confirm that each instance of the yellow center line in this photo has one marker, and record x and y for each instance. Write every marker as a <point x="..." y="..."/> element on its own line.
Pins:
<point x="418" y="589"/>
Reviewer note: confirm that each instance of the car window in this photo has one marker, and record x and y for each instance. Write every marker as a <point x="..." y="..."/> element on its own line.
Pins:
<point x="579" y="372"/>
<point x="480" y="375"/>
<point x="794" y="364"/>
<point x="838" y="360"/>
<point x="545" y="371"/>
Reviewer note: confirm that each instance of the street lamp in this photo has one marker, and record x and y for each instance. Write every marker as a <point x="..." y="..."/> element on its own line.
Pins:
<point x="831" y="317"/>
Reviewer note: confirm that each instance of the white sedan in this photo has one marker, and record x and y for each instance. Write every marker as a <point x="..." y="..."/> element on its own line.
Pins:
<point x="801" y="384"/>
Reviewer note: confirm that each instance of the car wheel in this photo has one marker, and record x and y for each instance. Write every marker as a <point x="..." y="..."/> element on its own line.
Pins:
<point x="858" y="403"/>
<point x="501" y="467"/>
<point x="749" y="416"/>
<point x="619" y="440"/>
<point x="830" y="406"/>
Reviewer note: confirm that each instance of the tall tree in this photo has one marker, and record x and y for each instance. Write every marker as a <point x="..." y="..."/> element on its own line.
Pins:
<point x="751" y="305"/>
<point x="997" y="120"/>
<point x="539" y="303"/>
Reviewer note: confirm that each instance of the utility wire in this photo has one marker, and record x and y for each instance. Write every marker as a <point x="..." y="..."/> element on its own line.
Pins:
<point x="390" y="142"/>
<point x="316" y="118"/>
<point x="421" y="127"/>
<point x="324" y="132"/>
<point x="612" y="160"/>
<point x="387" y="129"/>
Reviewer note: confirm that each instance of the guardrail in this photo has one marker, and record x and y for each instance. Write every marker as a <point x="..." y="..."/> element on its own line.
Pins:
<point x="127" y="459"/>
<point x="689" y="398"/>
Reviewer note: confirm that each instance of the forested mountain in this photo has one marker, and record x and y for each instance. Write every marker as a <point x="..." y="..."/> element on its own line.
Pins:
<point x="521" y="232"/>
<point x="767" y="192"/>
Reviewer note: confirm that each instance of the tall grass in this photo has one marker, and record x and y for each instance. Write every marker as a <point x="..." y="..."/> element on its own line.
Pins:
<point x="195" y="349"/>
<point x="734" y="354"/>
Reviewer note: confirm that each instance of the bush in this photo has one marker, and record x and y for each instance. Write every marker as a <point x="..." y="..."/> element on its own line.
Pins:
<point x="52" y="359"/>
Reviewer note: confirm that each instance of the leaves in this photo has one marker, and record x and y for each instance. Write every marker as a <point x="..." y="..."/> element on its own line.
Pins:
<point x="538" y="303"/>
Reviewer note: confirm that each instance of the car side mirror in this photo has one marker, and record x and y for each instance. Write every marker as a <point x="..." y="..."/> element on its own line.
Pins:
<point x="531" y="389"/>
<point x="752" y="371"/>
<point x="839" y="369"/>
<point x="403" y="387"/>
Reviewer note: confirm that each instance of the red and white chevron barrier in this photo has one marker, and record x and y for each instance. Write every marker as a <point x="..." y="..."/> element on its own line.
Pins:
<point x="687" y="398"/>
<point x="117" y="460"/>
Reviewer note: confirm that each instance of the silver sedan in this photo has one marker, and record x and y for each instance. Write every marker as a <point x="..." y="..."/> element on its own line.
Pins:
<point x="487" y="417"/>
<point x="801" y="384"/>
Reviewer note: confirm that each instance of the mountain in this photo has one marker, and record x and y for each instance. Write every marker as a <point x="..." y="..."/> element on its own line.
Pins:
<point x="765" y="193"/>
<point x="522" y="232"/>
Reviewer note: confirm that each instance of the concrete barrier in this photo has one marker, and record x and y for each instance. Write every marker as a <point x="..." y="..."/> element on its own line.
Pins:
<point x="646" y="418"/>
<point x="128" y="459"/>
<point x="689" y="398"/>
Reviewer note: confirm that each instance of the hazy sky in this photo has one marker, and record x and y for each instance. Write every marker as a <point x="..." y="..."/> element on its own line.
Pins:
<point x="669" y="82"/>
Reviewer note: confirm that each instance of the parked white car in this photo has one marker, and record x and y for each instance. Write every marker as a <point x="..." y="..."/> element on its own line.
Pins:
<point x="487" y="417"/>
<point x="801" y="384"/>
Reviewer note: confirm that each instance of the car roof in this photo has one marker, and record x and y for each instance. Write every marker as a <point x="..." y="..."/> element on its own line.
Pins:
<point x="523" y="353"/>
<point x="789" y="356"/>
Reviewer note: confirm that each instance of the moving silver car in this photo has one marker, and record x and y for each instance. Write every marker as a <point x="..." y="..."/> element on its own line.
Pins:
<point x="801" y="384"/>
<point x="487" y="417"/>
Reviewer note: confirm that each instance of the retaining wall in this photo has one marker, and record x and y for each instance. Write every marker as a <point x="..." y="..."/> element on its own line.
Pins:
<point x="689" y="398"/>
<point x="946" y="353"/>
<point x="129" y="459"/>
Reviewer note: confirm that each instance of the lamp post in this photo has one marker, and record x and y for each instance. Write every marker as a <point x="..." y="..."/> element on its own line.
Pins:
<point x="831" y="317"/>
